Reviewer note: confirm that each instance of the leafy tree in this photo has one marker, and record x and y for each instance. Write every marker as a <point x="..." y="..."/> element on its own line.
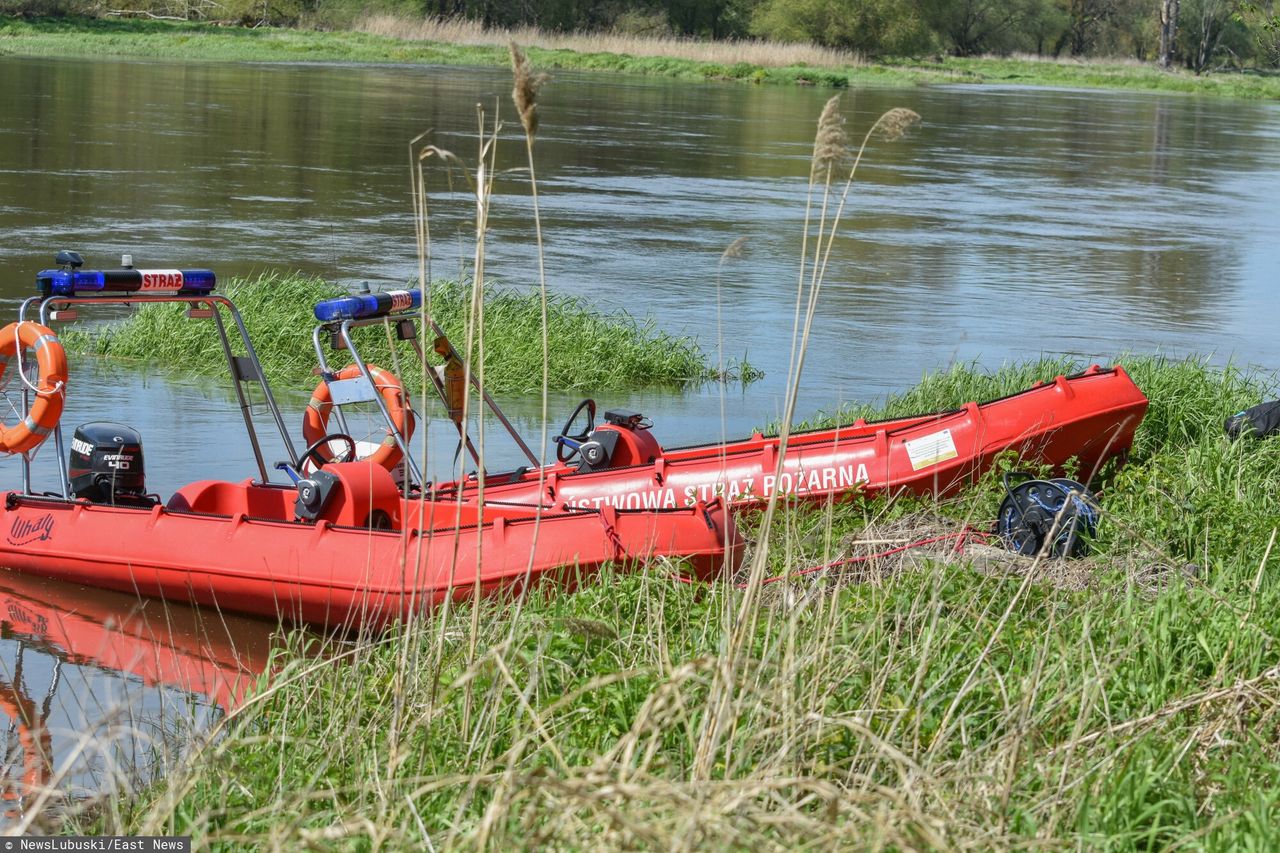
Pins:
<point x="715" y="19"/>
<point x="1263" y="21"/>
<point x="1131" y="30"/>
<point x="1042" y="28"/>
<point x="1085" y="20"/>
<point x="868" y="26"/>
<point x="1210" y="28"/>
<point x="971" y="27"/>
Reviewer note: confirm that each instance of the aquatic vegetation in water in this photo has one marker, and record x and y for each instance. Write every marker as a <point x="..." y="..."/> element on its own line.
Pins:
<point x="588" y="349"/>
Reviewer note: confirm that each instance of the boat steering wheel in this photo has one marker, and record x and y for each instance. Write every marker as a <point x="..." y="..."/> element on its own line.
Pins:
<point x="313" y="450"/>
<point x="567" y="443"/>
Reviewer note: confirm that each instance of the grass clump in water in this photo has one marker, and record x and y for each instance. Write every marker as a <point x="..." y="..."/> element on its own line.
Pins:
<point x="920" y="704"/>
<point x="587" y="349"/>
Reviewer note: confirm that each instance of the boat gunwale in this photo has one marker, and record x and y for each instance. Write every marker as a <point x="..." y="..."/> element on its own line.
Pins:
<point x="15" y="499"/>
<point x="922" y="417"/>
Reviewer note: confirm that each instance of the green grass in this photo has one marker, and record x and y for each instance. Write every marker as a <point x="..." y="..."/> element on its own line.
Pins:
<point x="1093" y="74"/>
<point x="588" y="349"/>
<point x="82" y="37"/>
<point x="934" y="706"/>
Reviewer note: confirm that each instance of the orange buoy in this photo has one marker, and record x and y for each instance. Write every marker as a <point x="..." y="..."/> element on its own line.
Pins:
<point x="315" y="422"/>
<point x="50" y="390"/>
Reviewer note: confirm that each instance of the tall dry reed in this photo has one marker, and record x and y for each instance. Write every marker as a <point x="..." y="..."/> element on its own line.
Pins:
<point x="831" y="153"/>
<point x="464" y="32"/>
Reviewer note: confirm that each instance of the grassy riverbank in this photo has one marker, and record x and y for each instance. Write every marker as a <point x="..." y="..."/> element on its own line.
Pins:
<point x="1125" y="701"/>
<point x="588" y="349"/>
<point x="389" y="40"/>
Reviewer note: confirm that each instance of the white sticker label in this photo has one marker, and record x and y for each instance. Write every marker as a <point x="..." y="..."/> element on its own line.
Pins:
<point x="161" y="279"/>
<point x="931" y="449"/>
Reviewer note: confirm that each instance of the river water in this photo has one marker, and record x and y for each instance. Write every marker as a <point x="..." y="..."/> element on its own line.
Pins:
<point x="1013" y="222"/>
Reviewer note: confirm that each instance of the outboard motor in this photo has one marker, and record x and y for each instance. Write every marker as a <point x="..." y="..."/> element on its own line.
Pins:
<point x="106" y="465"/>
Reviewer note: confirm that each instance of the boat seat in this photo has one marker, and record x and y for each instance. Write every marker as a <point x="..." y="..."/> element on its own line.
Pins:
<point x="222" y="498"/>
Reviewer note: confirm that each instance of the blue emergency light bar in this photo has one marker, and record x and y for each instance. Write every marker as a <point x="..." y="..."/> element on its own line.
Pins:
<point x="364" y="305"/>
<point x="75" y="281"/>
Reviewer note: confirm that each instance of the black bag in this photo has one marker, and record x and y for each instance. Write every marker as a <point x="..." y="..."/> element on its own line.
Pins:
<point x="1261" y="421"/>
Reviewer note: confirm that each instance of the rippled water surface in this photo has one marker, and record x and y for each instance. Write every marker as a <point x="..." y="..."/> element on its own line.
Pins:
<point x="1014" y="222"/>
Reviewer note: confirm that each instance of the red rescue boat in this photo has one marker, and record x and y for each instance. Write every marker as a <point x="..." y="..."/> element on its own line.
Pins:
<point x="339" y="543"/>
<point x="1088" y="417"/>
<point x="239" y="547"/>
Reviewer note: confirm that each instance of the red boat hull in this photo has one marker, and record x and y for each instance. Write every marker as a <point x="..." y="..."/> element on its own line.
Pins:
<point x="331" y="573"/>
<point x="1090" y="417"/>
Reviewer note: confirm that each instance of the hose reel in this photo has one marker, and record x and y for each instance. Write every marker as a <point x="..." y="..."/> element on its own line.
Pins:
<point x="1057" y="517"/>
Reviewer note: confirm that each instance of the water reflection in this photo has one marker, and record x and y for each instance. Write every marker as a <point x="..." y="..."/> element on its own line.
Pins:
<point x="100" y="691"/>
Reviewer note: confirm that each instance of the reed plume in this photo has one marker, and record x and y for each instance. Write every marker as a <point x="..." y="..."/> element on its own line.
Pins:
<point x="894" y="124"/>
<point x="736" y="249"/>
<point x="831" y="143"/>
<point x="831" y="150"/>
<point x="524" y="92"/>
<point x="733" y="251"/>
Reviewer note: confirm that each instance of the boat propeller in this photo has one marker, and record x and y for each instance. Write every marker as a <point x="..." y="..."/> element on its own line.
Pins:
<point x="1057" y="517"/>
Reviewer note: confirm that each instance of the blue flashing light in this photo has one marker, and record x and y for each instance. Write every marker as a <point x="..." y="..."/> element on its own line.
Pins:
<point x="202" y="281"/>
<point x="366" y="305"/>
<point x="70" y="282"/>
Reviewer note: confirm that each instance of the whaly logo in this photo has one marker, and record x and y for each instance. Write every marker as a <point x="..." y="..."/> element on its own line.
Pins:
<point x="27" y="530"/>
<point x="20" y="614"/>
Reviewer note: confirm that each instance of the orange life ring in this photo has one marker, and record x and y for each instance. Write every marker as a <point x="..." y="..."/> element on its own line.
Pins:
<point x="315" y="421"/>
<point x="50" y="390"/>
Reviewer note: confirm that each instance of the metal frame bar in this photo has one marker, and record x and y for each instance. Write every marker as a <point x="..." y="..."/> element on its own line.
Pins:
<point x="382" y="406"/>
<point x="214" y="301"/>
<point x="344" y="329"/>
<point x="488" y="401"/>
<point x="325" y="371"/>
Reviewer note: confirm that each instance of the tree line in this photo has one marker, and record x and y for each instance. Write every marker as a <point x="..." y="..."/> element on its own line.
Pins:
<point x="1201" y="34"/>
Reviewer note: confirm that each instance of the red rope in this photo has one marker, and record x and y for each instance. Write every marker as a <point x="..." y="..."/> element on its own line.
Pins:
<point x="962" y="537"/>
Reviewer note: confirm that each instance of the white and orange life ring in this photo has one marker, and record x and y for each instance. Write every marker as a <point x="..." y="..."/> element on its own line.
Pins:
<point x="50" y="390"/>
<point x="315" y="421"/>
